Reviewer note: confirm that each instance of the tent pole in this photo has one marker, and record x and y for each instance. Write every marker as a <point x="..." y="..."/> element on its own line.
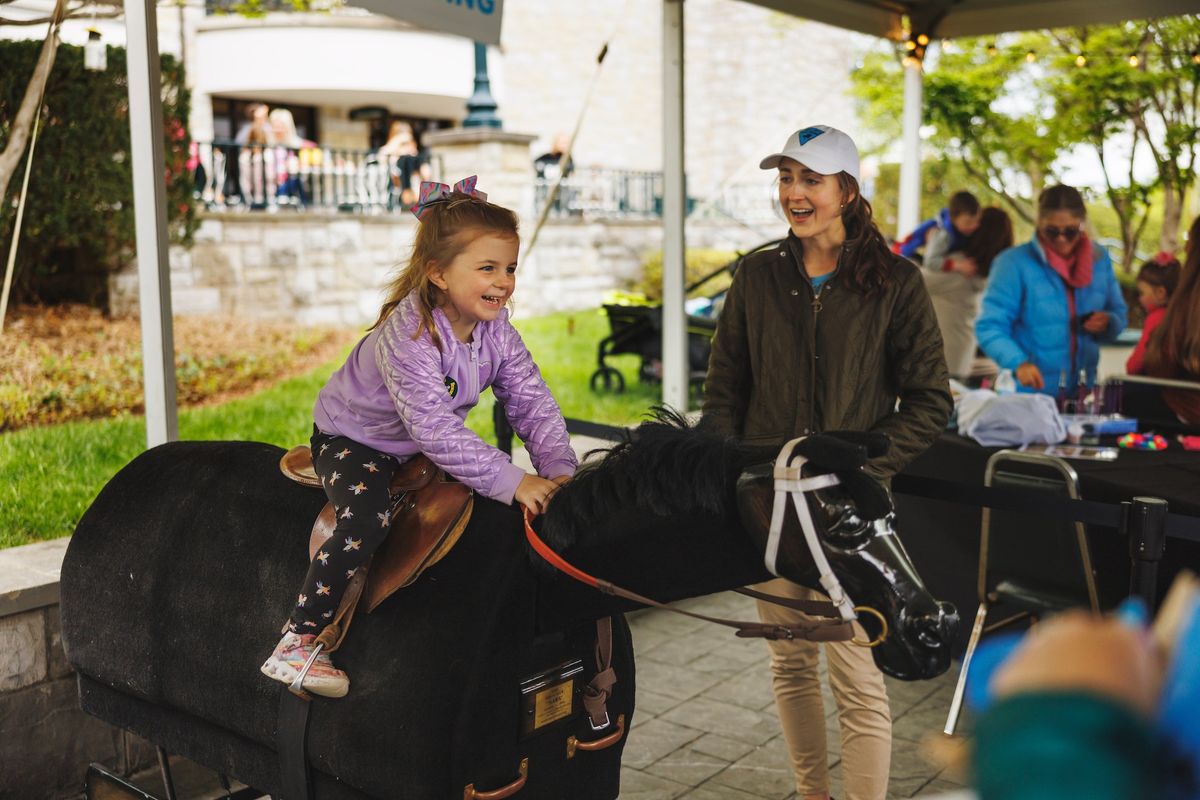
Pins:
<point x="674" y="362"/>
<point x="909" y="213"/>
<point x="150" y="220"/>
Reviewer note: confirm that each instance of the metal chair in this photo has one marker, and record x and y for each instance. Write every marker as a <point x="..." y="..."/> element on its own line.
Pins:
<point x="1028" y="564"/>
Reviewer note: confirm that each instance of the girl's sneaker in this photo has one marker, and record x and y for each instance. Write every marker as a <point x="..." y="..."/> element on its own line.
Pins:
<point x="290" y="655"/>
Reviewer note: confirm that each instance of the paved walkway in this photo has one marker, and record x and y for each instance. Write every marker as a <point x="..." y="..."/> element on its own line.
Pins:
<point x="705" y="726"/>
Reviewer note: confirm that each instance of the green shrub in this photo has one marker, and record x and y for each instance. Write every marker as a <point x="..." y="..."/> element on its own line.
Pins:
<point x="78" y="223"/>
<point x="700" y="262"/>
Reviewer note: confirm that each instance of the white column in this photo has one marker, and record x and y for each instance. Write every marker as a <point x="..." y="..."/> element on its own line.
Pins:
<point x="675" y="361"/>
<point x="150" y="220"/>
<point x="908" y="215"/>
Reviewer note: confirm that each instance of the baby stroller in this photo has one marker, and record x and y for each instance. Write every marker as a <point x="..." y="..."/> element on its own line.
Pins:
<point x="637" y="330"/>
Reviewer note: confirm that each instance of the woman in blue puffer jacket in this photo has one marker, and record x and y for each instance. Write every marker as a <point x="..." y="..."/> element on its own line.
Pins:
<point x="1050" y="302"/>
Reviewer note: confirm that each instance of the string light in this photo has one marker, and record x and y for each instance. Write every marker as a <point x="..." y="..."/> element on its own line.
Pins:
<point x="922" y="40"/>
<point x="1031" y="56"/>
<point x="1133" y="60"/>
<point x="1080" y="60"/>
<point x="910" y="45"/>
<point x="991" y="49"/>
<point x="1196" y="57"/>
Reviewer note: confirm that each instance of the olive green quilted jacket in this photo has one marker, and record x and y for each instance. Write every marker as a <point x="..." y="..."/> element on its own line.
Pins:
<point x="785" y="363"/>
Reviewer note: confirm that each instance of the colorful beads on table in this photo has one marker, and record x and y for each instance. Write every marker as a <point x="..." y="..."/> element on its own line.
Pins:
<point x="1142" y="441"/>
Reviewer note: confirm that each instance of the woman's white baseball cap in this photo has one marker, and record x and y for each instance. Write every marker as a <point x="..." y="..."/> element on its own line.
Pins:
<point x="822" y="149"/>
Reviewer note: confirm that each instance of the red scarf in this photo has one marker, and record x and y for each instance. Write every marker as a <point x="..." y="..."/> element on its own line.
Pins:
<point x="1076" y="272"/>
<point x="1076" y="268"/>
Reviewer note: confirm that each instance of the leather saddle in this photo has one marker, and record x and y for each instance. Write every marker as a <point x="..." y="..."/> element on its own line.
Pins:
<point x="430" y="511"/>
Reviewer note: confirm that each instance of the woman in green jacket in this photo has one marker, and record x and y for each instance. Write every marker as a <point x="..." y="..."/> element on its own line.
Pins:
<point x="828" y="331"/>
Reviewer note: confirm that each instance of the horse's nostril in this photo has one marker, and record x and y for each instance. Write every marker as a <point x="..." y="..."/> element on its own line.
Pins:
<point x="928" y="632"/>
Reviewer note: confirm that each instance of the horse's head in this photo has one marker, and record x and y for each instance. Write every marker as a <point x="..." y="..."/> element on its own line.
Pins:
<point x="854" y="524"/>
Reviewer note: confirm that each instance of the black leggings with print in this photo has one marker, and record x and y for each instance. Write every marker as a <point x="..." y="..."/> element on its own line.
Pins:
<point x="356" y="480"/>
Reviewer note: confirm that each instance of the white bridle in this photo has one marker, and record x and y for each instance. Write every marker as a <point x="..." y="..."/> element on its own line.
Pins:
<point x="789" y="481"/>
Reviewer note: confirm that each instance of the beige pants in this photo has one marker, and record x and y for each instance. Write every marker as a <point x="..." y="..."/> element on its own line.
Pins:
<point x="858" y="689"/>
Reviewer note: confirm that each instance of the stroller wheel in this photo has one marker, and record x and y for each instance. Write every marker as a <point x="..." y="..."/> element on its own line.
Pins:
<point x="609" y="379"/>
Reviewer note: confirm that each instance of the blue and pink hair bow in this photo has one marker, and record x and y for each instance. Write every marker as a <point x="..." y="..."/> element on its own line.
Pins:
<point x="432" y="193"/>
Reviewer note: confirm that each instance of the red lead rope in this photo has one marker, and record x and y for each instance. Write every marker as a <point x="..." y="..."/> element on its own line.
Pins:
<point x="557" y="561"/>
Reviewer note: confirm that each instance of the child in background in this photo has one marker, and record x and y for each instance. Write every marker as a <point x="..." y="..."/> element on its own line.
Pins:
<point x="442" y="337"/>
<point x="948" y="231"/>
<point x="1156" y="282"/>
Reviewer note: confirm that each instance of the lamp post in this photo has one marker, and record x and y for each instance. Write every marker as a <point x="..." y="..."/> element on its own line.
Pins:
<point x="481" y="107"/>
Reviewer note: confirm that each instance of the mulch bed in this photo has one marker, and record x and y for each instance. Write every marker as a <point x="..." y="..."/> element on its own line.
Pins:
<point x="59" y="363"/>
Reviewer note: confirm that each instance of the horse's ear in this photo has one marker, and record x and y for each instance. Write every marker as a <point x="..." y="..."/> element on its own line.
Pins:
<point x="876" y="444"/>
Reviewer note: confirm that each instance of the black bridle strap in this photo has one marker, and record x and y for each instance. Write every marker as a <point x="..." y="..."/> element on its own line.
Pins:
<point x="830" y="628"/>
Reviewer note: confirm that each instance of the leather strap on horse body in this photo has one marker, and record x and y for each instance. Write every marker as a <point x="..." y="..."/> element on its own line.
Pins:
<point x="599" y="688"/>
<point x="291" y="737"/>
<point x="830" y="628"/>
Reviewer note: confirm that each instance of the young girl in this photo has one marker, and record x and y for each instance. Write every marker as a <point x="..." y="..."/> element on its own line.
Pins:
<point x="1156" y="282"/>
<point x="825" y="331"/>
<point x="442" y="337"/>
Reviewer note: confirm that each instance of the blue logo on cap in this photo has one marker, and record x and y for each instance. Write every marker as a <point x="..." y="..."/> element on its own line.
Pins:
<point x="808" y="134"/>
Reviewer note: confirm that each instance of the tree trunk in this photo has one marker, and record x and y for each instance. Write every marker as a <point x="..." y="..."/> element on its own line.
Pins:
<point x="1168" y="241"/>
<point x="18" y="137"/>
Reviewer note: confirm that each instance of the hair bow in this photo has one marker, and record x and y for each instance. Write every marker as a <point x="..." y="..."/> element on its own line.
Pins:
<point x="1162" y="258"/>
<point x="432" y="193"/>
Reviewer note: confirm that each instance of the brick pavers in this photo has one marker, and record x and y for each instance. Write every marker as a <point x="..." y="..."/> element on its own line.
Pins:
<point x="706" y="729"/>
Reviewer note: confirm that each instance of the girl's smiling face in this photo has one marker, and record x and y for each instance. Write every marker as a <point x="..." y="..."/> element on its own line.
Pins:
<point x="811" y="202"/>
<point x="478" y="281"/>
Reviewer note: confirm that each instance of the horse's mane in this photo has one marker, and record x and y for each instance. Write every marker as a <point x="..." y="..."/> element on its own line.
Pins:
<point x="665" y="466"/>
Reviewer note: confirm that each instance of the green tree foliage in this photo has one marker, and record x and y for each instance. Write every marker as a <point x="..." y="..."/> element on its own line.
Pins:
<point x="1008" y="109"/>
<point x="78" y="224"/>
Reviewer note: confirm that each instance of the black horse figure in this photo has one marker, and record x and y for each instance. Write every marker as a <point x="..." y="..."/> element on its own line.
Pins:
<point x="177" y="577"/>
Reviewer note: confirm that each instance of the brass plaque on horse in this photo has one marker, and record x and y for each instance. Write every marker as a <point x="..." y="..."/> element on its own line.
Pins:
<point x="550" y="696"/>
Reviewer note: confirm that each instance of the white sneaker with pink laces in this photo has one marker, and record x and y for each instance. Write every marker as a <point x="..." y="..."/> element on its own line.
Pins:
<point x="292" y="653"/>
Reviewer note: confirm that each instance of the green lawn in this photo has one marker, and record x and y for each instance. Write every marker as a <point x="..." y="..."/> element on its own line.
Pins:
<point x="52" y="473"/>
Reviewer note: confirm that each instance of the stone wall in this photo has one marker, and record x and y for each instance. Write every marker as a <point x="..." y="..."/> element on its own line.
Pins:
<point x="320" y="269"/>
<point x="46" y="742"/>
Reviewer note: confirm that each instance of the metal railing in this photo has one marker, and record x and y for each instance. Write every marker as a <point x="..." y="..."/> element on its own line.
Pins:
<point x="592" y="192"/>
<point x="229" y="176"/>
<point x="242" y="177"/>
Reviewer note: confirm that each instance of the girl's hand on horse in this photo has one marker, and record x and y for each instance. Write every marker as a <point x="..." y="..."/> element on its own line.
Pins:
<point x="534" y="493"/>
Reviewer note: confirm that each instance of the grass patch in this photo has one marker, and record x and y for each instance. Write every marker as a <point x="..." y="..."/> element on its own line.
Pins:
<point x="52" y="472"/>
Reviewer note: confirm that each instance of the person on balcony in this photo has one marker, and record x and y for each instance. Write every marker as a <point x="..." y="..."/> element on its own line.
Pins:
<point x="293" y="156"/>
<point x="406" y="168"/>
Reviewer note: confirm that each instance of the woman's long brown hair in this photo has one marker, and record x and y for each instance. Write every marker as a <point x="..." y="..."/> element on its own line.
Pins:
<point x="1174" y="346"/>
<point x="867" y="253"/>
<point x="444" y="232"/>
<point x="994" y="235"/>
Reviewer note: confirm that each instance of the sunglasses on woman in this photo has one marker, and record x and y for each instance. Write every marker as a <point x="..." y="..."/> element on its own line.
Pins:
<point x="1052" y="233"/>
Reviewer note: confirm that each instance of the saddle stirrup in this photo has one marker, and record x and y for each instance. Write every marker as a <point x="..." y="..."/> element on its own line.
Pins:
<point x="297" y="686"/>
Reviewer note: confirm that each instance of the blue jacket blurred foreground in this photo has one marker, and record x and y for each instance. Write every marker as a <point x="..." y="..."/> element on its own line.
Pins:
<point x="1025" y="316"/>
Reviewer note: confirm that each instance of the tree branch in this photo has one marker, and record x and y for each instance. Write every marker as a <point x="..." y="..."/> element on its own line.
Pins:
<point x="75" y="13"/>
<point x="31" y="103"/>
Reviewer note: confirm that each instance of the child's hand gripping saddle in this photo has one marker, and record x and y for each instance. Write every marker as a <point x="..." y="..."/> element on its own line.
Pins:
<point x="429" y="513"/>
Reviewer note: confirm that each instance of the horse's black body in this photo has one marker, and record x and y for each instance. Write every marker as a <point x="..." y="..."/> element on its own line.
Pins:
<point x="178" y="577"/>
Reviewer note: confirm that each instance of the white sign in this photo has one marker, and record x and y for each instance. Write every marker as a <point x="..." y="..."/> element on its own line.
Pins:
<point x="478" y="20"/>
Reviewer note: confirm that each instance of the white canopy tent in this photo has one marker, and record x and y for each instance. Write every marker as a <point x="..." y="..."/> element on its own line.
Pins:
<point x="480" y="20"/>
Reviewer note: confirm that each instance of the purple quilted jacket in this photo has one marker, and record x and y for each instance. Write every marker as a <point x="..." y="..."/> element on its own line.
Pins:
<point x="403" y="396"/>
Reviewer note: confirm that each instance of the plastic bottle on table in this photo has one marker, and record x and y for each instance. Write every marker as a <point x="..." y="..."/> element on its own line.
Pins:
<point x="1005" y="382"/>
